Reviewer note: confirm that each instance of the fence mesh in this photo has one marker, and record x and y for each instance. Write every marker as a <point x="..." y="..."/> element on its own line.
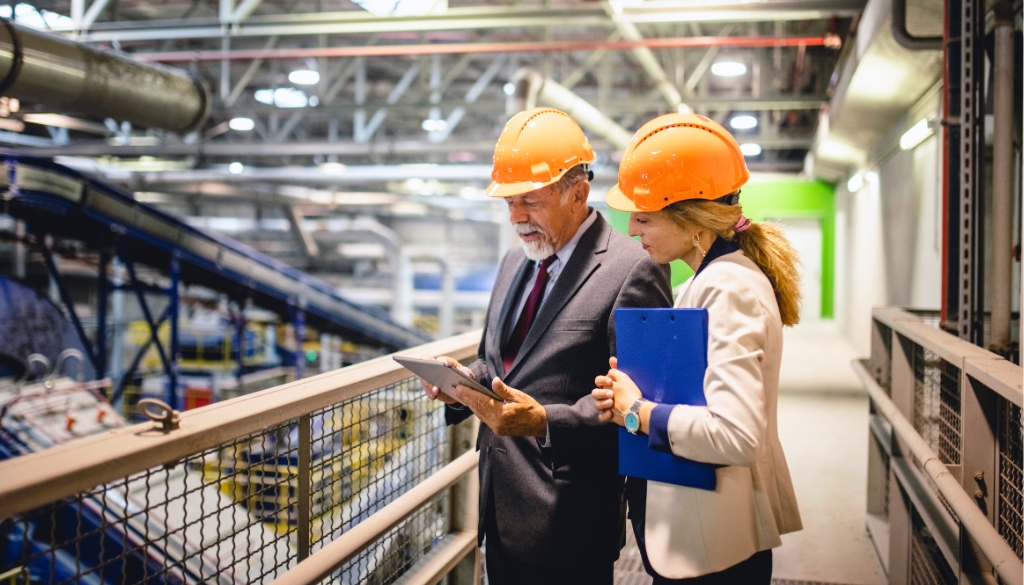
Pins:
<point x="927" y="565"/>
<point x="1010" y="476"/>
<point x="230" y="514"/>
<point x="883" y="363"/>
<point x="937" y="404"/>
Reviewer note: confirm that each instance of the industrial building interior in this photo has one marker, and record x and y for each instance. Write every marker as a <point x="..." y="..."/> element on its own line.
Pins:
<point x="219" y="219"/>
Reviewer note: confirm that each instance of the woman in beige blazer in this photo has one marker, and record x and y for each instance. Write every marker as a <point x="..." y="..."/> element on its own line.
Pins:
<point x="679" y="179"/>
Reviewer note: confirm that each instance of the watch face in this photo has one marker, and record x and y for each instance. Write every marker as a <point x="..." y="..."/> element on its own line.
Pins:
<point x="632" y="422"/>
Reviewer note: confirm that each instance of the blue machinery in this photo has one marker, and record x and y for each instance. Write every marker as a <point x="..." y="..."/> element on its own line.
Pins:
<point x="55" y="200"/>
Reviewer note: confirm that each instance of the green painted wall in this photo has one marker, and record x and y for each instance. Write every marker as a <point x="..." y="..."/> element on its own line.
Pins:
<point x="778" y="200"/>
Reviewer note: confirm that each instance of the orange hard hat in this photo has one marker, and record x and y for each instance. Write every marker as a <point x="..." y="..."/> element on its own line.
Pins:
<point x="535" y="149"/>
<point x="677" y="157"/>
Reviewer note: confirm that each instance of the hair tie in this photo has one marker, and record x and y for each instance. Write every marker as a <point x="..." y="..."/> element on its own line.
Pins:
<point x="743" y="224"/>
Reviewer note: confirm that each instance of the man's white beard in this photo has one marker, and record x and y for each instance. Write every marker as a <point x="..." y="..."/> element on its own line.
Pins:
<point x="538" y="249"/>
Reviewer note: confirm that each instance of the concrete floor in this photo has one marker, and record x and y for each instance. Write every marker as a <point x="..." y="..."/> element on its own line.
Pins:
<point x="823" y="426"/>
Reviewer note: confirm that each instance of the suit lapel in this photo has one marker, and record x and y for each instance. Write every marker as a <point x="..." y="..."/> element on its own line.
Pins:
<point x="585" y="259"/>
<point x="512" y="295"/>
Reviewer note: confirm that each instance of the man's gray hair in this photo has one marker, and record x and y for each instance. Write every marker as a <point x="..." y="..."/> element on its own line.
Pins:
<point x="571" y="177"/>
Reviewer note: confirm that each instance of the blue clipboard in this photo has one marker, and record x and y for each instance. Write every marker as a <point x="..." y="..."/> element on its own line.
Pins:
<point x="665" y="351"/>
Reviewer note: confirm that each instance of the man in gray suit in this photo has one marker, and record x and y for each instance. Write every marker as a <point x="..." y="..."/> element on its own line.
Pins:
<point x="550" y="493"/>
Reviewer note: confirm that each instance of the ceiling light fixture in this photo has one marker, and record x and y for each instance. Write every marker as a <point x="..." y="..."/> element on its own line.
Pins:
<point x="304" y="77"/>
<point x="242" y="124"/>
<point x="750" y="149"/>
<point x="435" y="125"/>
<point x="743" y="122"/>
<point x="728" y="69"/>
<point x="332" y="168"/>
<point x="856" y="183"/>
<point x="917" y="134"/>
<point x="236" y="168"/>
<point x="510" y="88"/>
<point x="284" y="97"/>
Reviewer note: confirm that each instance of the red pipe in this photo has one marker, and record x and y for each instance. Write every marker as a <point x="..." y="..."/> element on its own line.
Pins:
<point x="447" y="48"/>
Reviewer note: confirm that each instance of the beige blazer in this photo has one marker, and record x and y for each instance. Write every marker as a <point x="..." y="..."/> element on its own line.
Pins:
<point x="692" y="532"/>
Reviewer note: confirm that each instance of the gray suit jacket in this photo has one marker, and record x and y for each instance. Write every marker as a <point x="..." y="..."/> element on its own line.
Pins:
<point x="561" y="503"/>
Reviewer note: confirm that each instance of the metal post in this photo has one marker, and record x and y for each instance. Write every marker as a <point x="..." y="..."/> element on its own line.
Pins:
<point x="951" y="143"/>
<point x="172" y="314"/>
<point x="446" y="312"/>
<point x="19" y="249"/>
<point x="117" y="308"/>
<point x="102" y="292"/>
<point x="57" y="286"/>
<point x="303" y="504"/>
<point x="239" y="322"/>
<point x="465" y="510"/>
<point x="1003" y="179"/>
<point x="299" y="321"/>
<point x="970" y="258"/>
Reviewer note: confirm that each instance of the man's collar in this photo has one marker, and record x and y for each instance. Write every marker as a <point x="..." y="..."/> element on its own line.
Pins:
<point x="570" y="246"/>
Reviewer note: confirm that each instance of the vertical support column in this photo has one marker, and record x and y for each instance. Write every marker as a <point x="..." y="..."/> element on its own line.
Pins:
<point x="303" y="504"/>
<point x="978" y="457"/>
<point x="19" y="249"/>
<point x="1003" y="179"/>
<point x="952" y="104"/>
<point x="465" y="508"/>
<point x="117" y="308"/>
<point x="970" y="259"/>
<point x="446" y="312"/>
<point x="225" y="69"/>
<point x="173" y="307"/>
<point x="102" y="292"/>
<point x="900" y="523"/>
<point x="240" y="343"/>
<point x="299" y="323"/>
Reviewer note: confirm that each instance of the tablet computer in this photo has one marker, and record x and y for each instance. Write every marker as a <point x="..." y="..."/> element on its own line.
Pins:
<point x="443" y="376"/>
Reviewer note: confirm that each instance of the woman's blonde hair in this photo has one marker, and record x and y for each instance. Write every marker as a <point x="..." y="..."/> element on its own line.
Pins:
<point x="763" y="243"/>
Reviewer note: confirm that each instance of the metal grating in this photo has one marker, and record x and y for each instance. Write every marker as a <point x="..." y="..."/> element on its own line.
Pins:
<point x="937" y="404"/>
<point x="885" y="494"/>
<point x="1010" y="477"/>
<point x="232" y="514"/>
<point x="927" y="565"/>
<point x="219" y="516"/>
<point x="367" y="451"/>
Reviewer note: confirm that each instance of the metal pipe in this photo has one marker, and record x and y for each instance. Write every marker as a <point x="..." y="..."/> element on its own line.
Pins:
<point x="459" y="48"/>
<point x="972" y="521"/>
<point x="46" y="69"/>
<point x="532" y="87"/>
<point x="342" y="549"/>
<point x="645" y="56"/>
<point x="1003" y="179"/>
<point x="903" y="37"/>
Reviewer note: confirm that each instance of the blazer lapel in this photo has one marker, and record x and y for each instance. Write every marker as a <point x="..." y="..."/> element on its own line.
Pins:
<point x="512" y="295"/>
<point x="585" y="259"/>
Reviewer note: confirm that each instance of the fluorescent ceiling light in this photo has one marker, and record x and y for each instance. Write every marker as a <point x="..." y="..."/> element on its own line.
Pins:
<point x="435" y="125"/>
<point x="856" y="183"/>
<point x="236" y="168"/>
<point x="28" y="15"/>
<point x="403" y="7"/>
<point x="916" y="135"/>
<point x="284" y="97"/>
<point x="304" y="77"/>
<point x="242" y="124"/>
<point x="510" y="88"/>
<point x="332" y="168"/>
<point x="750" y="149"/>
<point x="728" y="69"/>
<point x="743" y="122"/>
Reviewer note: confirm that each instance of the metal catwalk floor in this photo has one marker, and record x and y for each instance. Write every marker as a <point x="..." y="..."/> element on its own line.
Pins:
<point x="823" y="425"/>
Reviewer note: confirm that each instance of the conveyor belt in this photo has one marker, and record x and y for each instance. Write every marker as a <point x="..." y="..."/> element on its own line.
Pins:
<point x="57" y="200"/>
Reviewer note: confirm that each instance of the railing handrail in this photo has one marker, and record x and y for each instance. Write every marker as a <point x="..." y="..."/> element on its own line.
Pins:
<point x="335" y="554"/>
<point x="997" y="373"/>
<point x="41" y="478"/>
<point x="1003" y="558"/>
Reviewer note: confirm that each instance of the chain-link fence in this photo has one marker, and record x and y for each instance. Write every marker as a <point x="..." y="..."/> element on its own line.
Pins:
<point x="1011" y="480"/>
<point x="248" y="509"/>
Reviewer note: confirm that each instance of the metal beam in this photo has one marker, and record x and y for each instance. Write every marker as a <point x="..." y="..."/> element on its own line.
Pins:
<point x="496" y="17"/>
<point x="592" y="59"/>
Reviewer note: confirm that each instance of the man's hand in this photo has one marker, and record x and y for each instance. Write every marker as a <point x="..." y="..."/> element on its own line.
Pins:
<point x="433" y="392"/>
<point x="519" y="416"/>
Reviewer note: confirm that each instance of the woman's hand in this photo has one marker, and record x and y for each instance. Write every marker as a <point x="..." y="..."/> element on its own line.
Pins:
<point x="615" y="394"/>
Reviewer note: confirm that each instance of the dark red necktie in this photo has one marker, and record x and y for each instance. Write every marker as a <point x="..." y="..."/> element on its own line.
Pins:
<point x="515" y="342"/>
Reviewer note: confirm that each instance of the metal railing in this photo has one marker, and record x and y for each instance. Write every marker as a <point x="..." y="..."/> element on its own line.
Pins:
<point x="350" y="476"/>
<point x="944" y="466"/>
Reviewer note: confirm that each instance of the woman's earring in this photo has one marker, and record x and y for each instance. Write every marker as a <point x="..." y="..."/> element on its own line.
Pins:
<point x="696" y="243"/>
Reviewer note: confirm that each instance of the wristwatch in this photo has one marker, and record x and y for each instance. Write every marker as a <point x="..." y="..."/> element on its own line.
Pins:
<point x="632" y="418"/>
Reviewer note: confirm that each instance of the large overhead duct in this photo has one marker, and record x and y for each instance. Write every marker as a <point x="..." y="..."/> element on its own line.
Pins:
<point x="533" y="88"/>
<point x="41" y="68"/>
